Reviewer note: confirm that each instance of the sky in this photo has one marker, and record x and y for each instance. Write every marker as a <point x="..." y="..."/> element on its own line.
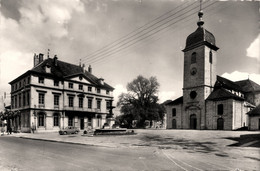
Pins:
<point x="122" y="39"/>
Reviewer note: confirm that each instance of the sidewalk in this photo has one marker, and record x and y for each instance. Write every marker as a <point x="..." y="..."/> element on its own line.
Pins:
<point x="102" y="141"/>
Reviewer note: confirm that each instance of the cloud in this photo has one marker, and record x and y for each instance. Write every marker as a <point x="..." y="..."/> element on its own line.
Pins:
<point x="166" y="95"/>
<point x="237" y="76"/>
<point x="40" y="23"/>
<point x="253" y="50"/>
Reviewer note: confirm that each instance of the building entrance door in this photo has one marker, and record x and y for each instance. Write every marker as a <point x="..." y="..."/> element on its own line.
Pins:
<point x="193" y="121"/>
<point x="220" y="124"/>
<point x="82" y="123"/>
<point x="174" y="124"/>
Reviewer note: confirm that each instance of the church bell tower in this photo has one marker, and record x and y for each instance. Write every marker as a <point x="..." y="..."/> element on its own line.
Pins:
<point x="199" y="74"/>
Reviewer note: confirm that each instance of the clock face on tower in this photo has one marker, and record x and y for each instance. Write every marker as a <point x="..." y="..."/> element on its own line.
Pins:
<point x="193" y="71"/>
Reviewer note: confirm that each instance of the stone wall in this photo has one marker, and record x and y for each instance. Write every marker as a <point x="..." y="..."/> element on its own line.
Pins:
<point x="178" y="116"/>
<point x="212" y="115"/>
<point x="254" y="123"/>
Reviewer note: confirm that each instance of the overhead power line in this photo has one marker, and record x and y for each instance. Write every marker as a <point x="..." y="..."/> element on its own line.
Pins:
<point x="144" y="35"/>
<point x="129" y="34"/>
<point x="185" y="22"/>
<point x="132" y="34"/>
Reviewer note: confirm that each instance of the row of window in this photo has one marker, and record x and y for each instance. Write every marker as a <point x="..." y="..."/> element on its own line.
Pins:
<point x="220" y="110"/>
<point x="71" y="101"/>
<point x="20" y="100"/>
<point x="56" y="118"/>
<point x="70" y="85"/>
<point x="194" y="57"/>
<point x="41" y="119"/>
<point x="21" y="84"/>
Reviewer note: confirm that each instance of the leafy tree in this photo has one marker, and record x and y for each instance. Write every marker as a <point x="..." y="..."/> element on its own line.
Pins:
<point x="140" y="102"/>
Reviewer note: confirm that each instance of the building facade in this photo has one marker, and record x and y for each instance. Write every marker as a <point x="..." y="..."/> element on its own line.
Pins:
<point x="209" y="101"/>
<point x="55" y="94"/>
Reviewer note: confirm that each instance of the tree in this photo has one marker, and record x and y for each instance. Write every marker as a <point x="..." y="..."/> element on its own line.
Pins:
<point x="141" y="102"/>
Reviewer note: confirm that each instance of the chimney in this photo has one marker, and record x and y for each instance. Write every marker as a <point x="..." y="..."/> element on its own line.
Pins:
<point x="40" y="57"/>
<point x="55" y="60"/>
<point x="90" y="69"/>
<point x="35" y="60"/>
<point x="83" y="67"/>
<point x="101" y="81"/>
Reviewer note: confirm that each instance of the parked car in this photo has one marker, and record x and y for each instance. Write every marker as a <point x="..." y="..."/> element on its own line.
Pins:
<point x="69" y="130"/>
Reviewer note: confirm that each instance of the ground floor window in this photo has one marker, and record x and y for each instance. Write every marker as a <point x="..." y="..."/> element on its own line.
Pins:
<point x="89" y="121"/>
<point x="70" y="123"/>
<point x="41" y="119"/>
<point x="56" y="119"/>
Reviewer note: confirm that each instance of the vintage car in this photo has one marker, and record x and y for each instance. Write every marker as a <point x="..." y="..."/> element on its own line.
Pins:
<point x="69" y="130"/>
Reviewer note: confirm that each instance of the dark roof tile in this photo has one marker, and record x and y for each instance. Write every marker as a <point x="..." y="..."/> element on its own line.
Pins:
<point x="66" y="70"/>
<point x="248" y="85"/>
<point x="228" y="84"/>
<point x="255" y="111"/>
<point x="223" y="94"/>
<point x="176" y="101"/>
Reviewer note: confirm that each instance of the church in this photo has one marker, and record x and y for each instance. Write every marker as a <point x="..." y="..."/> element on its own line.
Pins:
<point x="210" y="101"/>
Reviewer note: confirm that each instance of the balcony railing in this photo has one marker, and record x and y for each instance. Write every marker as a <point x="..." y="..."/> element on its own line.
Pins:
<point x="41" y="106"/>
<point x="81" y="109"/>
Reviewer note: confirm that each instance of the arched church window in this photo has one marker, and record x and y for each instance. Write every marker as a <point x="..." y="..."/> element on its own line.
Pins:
<point x="174" y="112"/>
<point x="220" y="109"/>
<point x="193" y="57"/>
<point x="210" y="57"/>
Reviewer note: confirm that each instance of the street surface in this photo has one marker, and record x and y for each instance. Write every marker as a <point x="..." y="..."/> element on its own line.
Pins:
<point x="148" y="150"/>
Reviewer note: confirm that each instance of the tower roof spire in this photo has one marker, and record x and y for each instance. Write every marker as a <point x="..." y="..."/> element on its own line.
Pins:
<point x="200" y="14"/>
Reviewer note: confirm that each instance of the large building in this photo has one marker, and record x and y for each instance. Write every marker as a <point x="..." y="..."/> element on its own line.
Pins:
<point x="55" y="94"/>
<point x="209" y="101"/>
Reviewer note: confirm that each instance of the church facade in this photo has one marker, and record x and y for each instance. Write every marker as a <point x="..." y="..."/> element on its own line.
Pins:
<point x="209" y="101"/>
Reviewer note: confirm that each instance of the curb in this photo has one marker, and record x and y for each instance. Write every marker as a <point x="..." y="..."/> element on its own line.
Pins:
<point x="66" y="142"/>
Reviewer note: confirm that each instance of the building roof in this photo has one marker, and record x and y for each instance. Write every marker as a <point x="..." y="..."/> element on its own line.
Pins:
<point x="200" y="37"/>
<point x="63" y="70"/>
<point x="255" y="111"/>
<point x="176" y="101"/>
<point x="248" y="85"/>
<point x="228" y="84"/>
<point x="223" y="94"/>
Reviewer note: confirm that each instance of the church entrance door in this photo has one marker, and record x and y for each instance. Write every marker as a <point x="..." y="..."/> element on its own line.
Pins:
<point x="193" y="121"/>
<point x="174" y="126"/>
<point x="220" y="124"/>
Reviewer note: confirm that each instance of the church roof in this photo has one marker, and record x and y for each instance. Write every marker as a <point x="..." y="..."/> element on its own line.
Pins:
<point x="223" y="94"/>
<point x="248" y="85"/>
<point x="255" y="111"/>
<point x="64" y="70"/>
<point x="226" y="83"/>
<point x="176" y="101"/>
<point x="200" y="37"/>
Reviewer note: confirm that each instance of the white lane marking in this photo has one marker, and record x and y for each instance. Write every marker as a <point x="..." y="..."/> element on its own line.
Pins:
<point x="174" y="161"/>
<point x="185" y="163"/>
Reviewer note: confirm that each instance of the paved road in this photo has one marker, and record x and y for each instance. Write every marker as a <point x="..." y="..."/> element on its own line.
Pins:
<point x="25" y="154"/>
<point x="148" y="150"/>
